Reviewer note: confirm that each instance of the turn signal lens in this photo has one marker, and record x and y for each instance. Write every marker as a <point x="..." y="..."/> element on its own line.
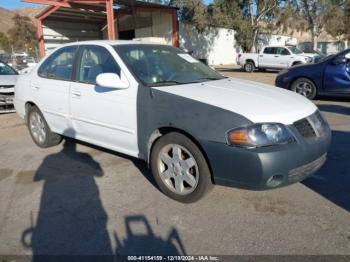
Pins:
<point x="239" y="137"/>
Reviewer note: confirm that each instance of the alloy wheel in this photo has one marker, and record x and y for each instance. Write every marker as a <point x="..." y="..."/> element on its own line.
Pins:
<point x="178" y="169"/>
<point x="304" y="88"/>
<point x="37" y="127"/>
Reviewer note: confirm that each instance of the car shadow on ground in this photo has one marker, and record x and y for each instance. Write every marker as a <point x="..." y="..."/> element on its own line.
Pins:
<point x="332" y="181"/>
<point x="72" y="220"/>
<point x="338" y="109"/>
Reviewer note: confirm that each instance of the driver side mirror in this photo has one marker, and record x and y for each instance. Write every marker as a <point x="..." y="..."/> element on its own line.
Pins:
<point x="111" y="80"/>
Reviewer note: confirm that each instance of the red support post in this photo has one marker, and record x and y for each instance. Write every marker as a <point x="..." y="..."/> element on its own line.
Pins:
<point x="110" y="20"/>
<point x="41" y="38"/>
<point x="175" y="33"/>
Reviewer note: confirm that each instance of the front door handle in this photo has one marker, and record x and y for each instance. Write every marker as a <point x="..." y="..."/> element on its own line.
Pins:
<point x="76" y="94"/>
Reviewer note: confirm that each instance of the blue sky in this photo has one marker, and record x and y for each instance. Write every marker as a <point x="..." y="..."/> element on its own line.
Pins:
<point x="10" y="4"/>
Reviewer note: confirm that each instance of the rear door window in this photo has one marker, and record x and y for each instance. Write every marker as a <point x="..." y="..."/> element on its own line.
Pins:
<point x="270" y="50"/>
<point x="59" y="65"/>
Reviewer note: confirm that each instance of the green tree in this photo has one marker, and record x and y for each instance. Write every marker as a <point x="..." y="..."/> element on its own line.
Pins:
<point x="4" y="43"/>
<point x="317" y="16"/>
<point x="247" y="17"/>
<point x="193" y="12"/>
<point x="22" y="35"/>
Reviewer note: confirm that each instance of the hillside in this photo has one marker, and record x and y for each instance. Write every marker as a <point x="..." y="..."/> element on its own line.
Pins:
<point x="6" y="16"/>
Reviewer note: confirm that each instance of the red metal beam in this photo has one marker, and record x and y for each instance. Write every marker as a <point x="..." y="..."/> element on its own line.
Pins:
<point x="48" y="2"/>
<point x="110" y="20"/>
<point x="47" y="12"/>
<point x="175" y="33"/>
<point x="41" y="38"/>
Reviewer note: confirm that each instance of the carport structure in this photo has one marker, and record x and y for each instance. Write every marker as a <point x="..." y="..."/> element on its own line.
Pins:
<point x="76" y="20"/>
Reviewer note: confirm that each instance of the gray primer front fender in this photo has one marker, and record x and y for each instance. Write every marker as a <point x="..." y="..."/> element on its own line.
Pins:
<point x="157" y="109"/>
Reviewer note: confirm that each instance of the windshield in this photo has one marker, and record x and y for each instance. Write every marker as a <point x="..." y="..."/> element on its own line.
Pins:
<point x="157" y="65"/>
<point x="6" y="70"/>
<point x="295" y="50"/>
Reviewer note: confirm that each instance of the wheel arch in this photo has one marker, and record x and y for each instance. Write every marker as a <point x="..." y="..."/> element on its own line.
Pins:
<point x="250" y="60"/>
<point x="294" y="63"/>
<point x="27" y="106"/>
<point x="161" y="131"/>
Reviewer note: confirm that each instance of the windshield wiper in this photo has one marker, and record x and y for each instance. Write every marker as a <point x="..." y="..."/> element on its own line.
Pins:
<point x="168" y="82"/>
<point x="204" y="79"/>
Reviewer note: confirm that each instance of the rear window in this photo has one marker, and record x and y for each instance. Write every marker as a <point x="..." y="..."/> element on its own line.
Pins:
<point x="270" y="50"/>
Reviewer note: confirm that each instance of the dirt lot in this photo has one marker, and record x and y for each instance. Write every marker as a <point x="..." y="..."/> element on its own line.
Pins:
<point x="78" y="199"/>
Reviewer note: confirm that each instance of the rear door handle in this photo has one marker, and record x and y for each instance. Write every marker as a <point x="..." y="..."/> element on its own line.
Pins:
<point x="276" y="56"/>
<point x="36" y="87"/>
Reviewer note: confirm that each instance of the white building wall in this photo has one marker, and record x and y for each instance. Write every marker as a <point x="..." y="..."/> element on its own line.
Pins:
<point x="217" y="45"/>
<point x="276" y="40"/>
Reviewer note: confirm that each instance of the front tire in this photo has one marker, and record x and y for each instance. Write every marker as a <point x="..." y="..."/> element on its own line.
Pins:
<point x="39" y="129"/>
<point x="304" y="87"/>
<point x="249" y="67"/>
<point x="179" y="168"/>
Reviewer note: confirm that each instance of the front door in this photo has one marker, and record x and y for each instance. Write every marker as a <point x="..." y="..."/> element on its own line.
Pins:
<point x="106" y="117"/>
<point x="337" y="75"/>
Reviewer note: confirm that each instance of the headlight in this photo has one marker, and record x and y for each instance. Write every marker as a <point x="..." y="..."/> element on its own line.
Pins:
<point x="308" y="59"/>
<point x="259" y="135"/>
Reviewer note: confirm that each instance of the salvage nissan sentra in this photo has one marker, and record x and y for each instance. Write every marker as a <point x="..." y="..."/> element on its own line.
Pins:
<point x="194" y="127"/>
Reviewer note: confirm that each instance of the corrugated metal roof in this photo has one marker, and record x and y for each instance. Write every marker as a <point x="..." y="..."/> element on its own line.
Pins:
<point x="121" y="3"/>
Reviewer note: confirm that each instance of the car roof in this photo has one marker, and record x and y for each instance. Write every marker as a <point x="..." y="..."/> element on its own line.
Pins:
<point x="110" y="42"/>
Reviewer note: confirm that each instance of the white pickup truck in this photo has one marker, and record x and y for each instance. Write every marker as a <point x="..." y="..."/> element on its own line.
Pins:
<point x="274" y="57"/>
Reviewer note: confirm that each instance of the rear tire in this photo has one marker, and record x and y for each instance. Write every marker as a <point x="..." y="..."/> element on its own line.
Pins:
<point x="249" y="67"/>
<point x="39" y="129"/>
<point x="179" y="168"/>
<point x="304" y="87"/>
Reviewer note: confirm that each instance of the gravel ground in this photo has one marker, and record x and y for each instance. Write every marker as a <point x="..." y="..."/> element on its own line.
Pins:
<point x="79" y="199"/>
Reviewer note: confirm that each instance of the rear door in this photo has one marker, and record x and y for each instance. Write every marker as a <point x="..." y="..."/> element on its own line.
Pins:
<point x="337" y="75"/>
<point x="284" y="57"/>
<point x="267" y="59"/>
<point x="105" y="117"/>
<point x="51" y="87"/>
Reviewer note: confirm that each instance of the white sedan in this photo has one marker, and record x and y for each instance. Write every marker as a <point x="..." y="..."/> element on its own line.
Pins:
<point x="193" y="126"/>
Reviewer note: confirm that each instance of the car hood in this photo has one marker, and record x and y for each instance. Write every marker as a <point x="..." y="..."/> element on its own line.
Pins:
<point x="7" y="80"/>
<point x="255" y="101"/>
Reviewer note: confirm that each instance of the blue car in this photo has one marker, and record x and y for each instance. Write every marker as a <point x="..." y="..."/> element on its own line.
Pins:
<point x="330" y="76"/>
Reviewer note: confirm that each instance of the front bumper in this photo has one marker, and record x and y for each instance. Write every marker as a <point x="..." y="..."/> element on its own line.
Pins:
<point x="283" y="81"/>
<point x="6" y="103"/>
<point x="259" y="168"/>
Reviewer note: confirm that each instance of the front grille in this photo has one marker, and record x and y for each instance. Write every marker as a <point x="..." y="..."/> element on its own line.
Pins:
<point x="305" y="128"/>
<point x="6" y="86"/>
